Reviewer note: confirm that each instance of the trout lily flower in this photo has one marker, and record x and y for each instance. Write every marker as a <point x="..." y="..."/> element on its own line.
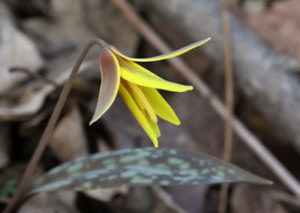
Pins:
<point x="138" y="88"/>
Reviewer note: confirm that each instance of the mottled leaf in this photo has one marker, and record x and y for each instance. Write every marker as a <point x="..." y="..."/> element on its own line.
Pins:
<point x="144" y="166"/>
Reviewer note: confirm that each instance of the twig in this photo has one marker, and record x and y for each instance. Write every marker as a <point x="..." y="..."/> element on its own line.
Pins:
<point x="14" y="204"/>
<point x="34" y="75"/>
<point x="229" y="99"/>
<point x="286" y="199"/>
<point x="248" y="138"/>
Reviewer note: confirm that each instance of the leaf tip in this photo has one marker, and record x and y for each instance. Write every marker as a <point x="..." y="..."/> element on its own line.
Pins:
<point x="267" y="182"/>
<point x="261" y="181"/>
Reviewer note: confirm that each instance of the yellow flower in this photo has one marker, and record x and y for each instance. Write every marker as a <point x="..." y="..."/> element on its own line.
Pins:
<point x="138" y="88"/>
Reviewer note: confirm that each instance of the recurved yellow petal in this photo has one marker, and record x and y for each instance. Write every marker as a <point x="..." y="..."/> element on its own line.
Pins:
<point x="160" y="105"/>
<point x="154" y="126"/>
<point x="110" y="81"/>
<point x="163" y="56"/>
<point x="139" y="75"/>
<point x="138" y="114"/>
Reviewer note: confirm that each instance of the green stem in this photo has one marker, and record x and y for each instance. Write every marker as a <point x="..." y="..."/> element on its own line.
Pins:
<point x="16" y="200"/>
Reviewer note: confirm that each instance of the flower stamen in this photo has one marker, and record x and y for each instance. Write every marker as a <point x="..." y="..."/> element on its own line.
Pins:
<point x="141" y="100"/>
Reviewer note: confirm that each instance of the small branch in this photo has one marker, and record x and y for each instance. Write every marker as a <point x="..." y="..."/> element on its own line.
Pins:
<point x="34" y="75"/>
<point x="15" y="203"/>
<point x="248" y="138"/>
<point x="229" y="98"/>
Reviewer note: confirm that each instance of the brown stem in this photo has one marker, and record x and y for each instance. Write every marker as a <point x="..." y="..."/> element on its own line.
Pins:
<point x="15" y="202"/>
<point x="34" y="75"/>
<point x="229" y="96"/>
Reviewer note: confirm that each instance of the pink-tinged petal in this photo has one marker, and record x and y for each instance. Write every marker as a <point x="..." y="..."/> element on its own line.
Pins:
<point x="110" y="82"/>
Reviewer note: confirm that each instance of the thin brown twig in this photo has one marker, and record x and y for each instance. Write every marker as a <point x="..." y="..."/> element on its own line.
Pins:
<point x="34" y="75"/>
<point x="247" y="137"/>
<point x="229" y="99"/>
<point x="16" y="200"/>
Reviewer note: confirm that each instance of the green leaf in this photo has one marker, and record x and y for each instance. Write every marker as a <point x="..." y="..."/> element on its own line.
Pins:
<point x="144" y="166"/>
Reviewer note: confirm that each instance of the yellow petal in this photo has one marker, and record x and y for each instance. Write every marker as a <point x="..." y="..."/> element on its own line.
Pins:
<point x="160" y="105"/>
<point x="163" y="56"/>
<point x="154" y="126"/>
<point x="141" y="100"/>
<point x="110" y="81"/>
<point x="139" y="75"/>
<point x="138" y="114"/>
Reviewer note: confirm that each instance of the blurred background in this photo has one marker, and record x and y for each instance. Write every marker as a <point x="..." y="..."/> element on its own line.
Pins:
<point x="40" y="41"/>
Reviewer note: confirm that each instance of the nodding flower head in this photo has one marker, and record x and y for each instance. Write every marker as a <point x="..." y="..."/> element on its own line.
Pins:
<point x="138" y="88"/>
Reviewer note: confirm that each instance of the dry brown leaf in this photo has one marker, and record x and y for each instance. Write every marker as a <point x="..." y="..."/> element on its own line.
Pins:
<point x="164" y="202"/>
<point x="151" y="200"/>
<point x="16" y="50"/>
<point x="60" y="201"/>
<point x="69" y="140"/>
<point x="106" y="195"/>
<point x="249" y="199"/>
<point x="279" y="27"/>
<point x="26" y="100"/>
<point x="78" y="21"/>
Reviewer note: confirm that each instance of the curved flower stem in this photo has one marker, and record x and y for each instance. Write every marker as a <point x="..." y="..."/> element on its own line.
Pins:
<point x="16" y="200"/>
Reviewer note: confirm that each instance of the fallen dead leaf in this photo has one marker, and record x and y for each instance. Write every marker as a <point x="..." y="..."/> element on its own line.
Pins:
<point x="60" y="201"/>
<point x="279" y="27"/>
<point x="108" y="194"/>
<point x="16" y="50"/>
<point x="164" y="202"/>
<point x="26" y="100"/>
<point x="69" y="141"/>
<point x="250" y="199"/>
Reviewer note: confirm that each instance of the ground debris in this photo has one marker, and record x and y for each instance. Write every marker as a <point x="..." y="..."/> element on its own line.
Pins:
<point x="16" y="51"/>
<point x="55" y="31"/>
<point x="279" y="27"/>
